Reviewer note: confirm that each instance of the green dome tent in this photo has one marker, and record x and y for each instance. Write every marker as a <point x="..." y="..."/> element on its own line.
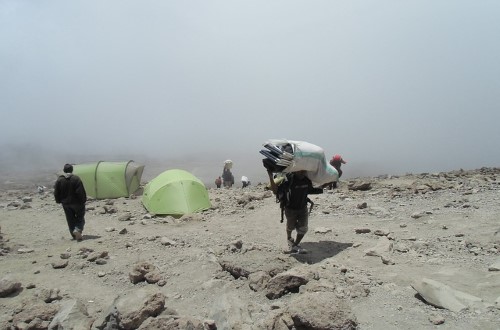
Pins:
<point x="175" y="192"/>
<point x="110" y="179"/>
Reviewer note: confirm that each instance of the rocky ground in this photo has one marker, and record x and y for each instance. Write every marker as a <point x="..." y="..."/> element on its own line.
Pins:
<point x="408" y="252"/>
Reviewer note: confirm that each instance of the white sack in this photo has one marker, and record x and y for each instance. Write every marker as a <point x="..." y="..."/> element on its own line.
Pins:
<point x="310" y="158"/>
<point x="228" y="164"/>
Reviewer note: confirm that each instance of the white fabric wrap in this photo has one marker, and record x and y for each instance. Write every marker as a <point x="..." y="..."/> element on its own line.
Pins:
<point x="310" y="158"/>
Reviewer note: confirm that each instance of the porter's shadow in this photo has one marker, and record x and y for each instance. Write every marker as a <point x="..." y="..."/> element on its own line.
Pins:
<point x="319" y="251"/>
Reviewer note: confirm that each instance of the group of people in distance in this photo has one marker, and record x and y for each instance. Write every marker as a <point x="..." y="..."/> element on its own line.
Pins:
<point x="227" y="178"/>
<point x="296" y="186"/>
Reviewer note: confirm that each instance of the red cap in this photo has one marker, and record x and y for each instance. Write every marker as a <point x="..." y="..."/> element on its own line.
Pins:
<point x="338" y="158"/>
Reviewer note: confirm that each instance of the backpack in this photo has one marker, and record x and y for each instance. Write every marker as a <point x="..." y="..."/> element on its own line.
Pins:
<point x="283" y="195"/>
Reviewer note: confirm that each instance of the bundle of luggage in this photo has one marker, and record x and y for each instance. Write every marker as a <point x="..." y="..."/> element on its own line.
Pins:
<point x="292" y="156"/>
<point x="277" y="158"/>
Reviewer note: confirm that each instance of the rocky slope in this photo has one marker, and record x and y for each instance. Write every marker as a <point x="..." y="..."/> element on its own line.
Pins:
<point x="408" y="252"/>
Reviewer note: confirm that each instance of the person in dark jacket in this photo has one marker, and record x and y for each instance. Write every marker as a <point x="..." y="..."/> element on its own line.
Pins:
<point x="227" y="178"/>
<point x="294" y="190"/>
<point x="69" y="191"/>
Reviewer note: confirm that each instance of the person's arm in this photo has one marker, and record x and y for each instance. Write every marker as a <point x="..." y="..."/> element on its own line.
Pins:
<point x="314" y="191"/>
<point x="80" y="192"/>
<point x="57" y="196"/>
<point x="274" y="187"/>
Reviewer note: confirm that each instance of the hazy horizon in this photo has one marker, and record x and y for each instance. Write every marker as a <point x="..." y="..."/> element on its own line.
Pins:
<point x="26" y="163"/>
<point x="394" y="87"/>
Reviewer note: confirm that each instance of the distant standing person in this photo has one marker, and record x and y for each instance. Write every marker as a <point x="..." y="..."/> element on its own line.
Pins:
<point x="337" y="162"/>
<point x="218" y="182"/>
<point x="227" y="178"/>
<point x="69" y="191"/>
<point x="292" y="193"/>
<point x="245" y="182"/>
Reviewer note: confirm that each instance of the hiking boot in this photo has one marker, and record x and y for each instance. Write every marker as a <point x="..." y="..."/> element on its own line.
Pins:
<point x="78" y="235"/>
<point x="298" y="249"/>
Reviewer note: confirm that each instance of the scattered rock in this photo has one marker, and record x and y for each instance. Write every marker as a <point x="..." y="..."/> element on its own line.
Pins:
<point x="71" y="315"/>
<point x="360" y="186"/>
<point x="49" y="295"/>
<point x="361" y="206"/>
<point x="383" y="246"/>
<point x="138" y="273"/>
<point x="59" y="264"/>
<point x="443" y="296"/>
<point x="322" y="230"/>
<point x="131" y="308"/>
<point x="8" y="287"/>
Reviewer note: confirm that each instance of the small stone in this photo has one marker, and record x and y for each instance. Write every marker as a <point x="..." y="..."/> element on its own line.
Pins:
<point x="436" y="319"/>
<point x="210" y="325"/>
<point x="363" y="205"/>
<point x="125" y="217"/>
<point x="22" y="251"/>
<point x="386" y="260"/>
<point x="322" y="230"/>
<point x="60" y="264"/>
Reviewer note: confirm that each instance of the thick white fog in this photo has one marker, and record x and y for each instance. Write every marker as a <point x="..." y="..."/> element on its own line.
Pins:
<point x="393" y="86"/>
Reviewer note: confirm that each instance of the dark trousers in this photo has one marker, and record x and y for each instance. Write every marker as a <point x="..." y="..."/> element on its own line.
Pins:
<point x="75" y="216"/>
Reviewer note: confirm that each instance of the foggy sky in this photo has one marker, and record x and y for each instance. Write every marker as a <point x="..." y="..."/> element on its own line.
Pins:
<point x="393" y="86"/>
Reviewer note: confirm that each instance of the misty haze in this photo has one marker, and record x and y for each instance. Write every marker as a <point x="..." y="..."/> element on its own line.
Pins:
<point x="393" y="87"/>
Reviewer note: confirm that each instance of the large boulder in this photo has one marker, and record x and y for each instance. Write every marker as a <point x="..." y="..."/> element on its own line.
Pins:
<point x="8" y="287"/>
<point x="253" y="262"/>
<point x="443" y="296"/>
<point x="313" y="311"/>
<point x="72" y="315"/>
<point x="131" y="308"/>
<point x="289" y="281"/>
<point x="230" y="312"/>
<point x="35" y="315"/>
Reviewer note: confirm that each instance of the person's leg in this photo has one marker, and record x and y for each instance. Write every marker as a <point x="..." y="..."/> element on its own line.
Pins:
<point x="302" y="228"/>
<point x="79" y="217"/>
<point x="70" y="218"/>
<point x="79" y="221"/>
<point x="291" y="225"/>
<point x="299" y="238"/>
